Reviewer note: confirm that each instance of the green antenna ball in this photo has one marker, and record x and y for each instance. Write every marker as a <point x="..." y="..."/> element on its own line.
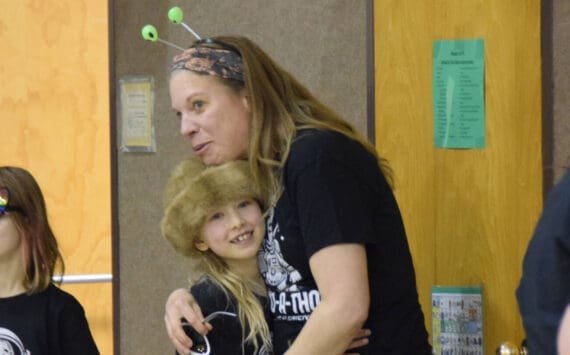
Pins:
<point x="149" y="33"/>
<point x="175" y="15"/>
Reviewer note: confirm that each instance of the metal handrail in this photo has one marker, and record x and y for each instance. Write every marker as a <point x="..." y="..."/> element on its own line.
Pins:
<point x="83" y="279"/>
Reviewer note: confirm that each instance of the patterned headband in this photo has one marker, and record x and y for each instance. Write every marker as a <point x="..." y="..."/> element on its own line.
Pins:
<point x="223" y="63"/>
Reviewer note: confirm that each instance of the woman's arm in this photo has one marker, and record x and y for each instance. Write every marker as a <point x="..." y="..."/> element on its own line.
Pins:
<point x="181" y="304"/>
<point x="340" y="272"/>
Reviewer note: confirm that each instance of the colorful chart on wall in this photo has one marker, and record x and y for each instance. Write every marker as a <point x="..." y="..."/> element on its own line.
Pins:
<point x="457" y="320"/>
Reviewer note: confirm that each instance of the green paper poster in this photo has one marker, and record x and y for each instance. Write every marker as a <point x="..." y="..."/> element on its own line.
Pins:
<point x="459" y="93"/>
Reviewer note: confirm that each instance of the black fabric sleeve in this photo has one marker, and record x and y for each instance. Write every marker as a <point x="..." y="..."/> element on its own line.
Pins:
<point x="211" y="297"/>
<point x="74" y="333"/>
<point x="332" y="182"/>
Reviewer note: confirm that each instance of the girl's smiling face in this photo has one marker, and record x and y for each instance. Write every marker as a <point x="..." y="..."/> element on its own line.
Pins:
<point x="234" y="232"/>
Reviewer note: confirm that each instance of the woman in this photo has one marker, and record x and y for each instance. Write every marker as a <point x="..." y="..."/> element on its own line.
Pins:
<point x="36" y="317"/>
<point x="335" y="248"/>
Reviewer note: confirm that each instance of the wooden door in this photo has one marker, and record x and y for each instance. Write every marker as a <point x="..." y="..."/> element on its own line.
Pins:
<point x="469" y="213"/>
<point x="54" y="121"/>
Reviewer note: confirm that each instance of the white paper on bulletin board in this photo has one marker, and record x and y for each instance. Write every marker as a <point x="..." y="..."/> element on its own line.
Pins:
<point x="457" y="320"/>
<point x="136" y="104"/>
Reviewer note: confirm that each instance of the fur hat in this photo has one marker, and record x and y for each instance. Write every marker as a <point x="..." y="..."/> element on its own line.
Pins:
<point x="195" y="190"/>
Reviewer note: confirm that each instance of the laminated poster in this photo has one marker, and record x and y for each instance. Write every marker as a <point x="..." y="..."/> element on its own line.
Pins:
<point x="136" y="111"/>
<point x="457" y="320"/>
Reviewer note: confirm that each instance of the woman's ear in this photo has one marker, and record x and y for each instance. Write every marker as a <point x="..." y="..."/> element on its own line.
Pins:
<point x="201" y="245"/>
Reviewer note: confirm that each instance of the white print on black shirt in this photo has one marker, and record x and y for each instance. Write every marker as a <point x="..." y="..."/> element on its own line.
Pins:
<point x="277" y="272"/>
<point x="293" y="306"/>
<point x="286" y="300"/>
<point x="10" y="343"/>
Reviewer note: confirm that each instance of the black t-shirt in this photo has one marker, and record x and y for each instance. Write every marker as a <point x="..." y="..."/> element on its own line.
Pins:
<point x="51" y="322"/>
<point x="226" y="336"/>
<point x="334" y="192"/>
<point x="544" y="289"/>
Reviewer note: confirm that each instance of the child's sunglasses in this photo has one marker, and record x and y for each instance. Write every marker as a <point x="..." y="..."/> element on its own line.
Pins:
<point x="4" y="202"/>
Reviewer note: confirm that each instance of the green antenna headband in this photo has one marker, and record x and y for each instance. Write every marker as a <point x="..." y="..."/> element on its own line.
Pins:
<point x="176" y="16"/>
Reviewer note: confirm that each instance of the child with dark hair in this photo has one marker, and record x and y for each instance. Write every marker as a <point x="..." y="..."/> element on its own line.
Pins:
<point x="36" y="317"/>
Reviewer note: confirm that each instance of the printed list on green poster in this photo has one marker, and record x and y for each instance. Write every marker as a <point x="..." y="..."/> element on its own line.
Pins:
<point x="459" y="93"/>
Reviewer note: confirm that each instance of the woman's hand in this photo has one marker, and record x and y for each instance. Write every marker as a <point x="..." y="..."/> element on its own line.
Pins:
<point x="180" y="306"/>
<point x="360" y="339"/>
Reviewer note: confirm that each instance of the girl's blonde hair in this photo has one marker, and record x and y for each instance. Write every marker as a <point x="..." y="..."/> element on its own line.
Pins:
<point x="250" y="311"/>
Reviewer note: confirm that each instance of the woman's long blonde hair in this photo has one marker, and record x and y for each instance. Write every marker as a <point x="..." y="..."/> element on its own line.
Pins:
<point x="280" y="106"/>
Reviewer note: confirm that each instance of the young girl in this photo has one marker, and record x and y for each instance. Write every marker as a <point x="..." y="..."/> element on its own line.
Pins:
<point x="213" y="215"/>
<point x="36" y="317"/>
